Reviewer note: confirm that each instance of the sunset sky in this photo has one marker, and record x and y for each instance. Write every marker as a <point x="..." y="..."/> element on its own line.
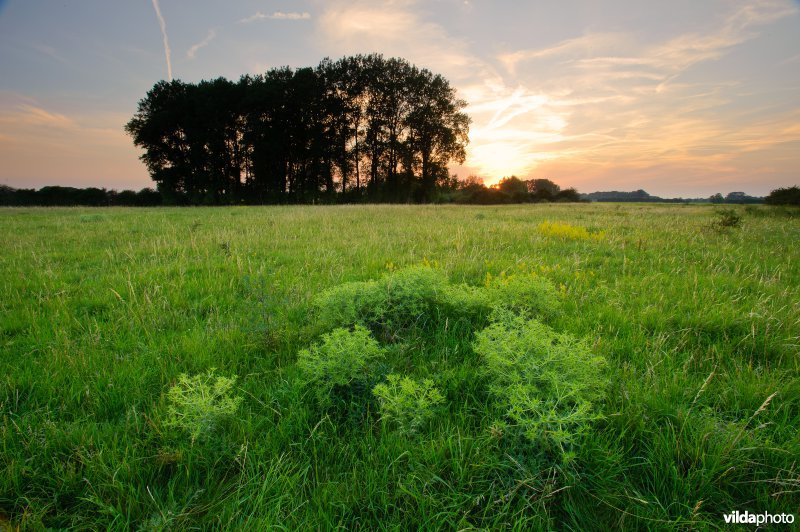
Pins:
<point x="679" y="97"/>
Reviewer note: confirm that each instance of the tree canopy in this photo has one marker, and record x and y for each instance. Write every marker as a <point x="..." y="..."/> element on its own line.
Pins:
<point x="362" y="127"/>
<point x="784" y="196"/>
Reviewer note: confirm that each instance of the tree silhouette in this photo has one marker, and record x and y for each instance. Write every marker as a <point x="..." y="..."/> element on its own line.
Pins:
<point x="304" y="135"/>
<point x="784" y="196"/>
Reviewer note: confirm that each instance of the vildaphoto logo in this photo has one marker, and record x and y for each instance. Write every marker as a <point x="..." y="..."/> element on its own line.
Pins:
<point x="746" y="518"/>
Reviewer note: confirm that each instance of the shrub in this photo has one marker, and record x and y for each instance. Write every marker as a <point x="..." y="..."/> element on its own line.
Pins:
<point x="348" y="304"/>
<point x="398" y="301"/>
<point x="407" y="403"/>
<point x="472" y="303"/>
<point x="198" y="404"/>
<point x="784" y="196"/>
<point x="421" y="297"/>
<point x="412" y="296"/>
<point x="530" y="294"/>
<point x="546" y="383"/>
<point x="728" y="218"/>
<point x="343" y="359"/>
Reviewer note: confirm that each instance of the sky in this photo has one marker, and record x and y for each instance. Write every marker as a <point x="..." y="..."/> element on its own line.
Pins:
<point x="679" y="98"/>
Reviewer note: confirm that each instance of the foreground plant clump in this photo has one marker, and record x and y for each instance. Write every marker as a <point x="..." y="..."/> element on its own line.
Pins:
<point x="342" y="359"/>
<point x="198" y="404"/>
<point x="543" y="385"/>
<point x="548" y="384"/>
<point x="407" y="403"/>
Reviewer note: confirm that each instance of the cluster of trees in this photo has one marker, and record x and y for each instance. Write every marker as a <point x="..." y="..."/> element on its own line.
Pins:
<point x="643" y="197"/>
<point x="56" y="196"/>
<point x="360" y="128"/>
<point x="510" y="190"/>
<point x="784" y="196"/>
<point x="735" y="197"/>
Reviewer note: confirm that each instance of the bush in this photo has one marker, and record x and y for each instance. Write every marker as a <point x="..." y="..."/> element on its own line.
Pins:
<point x="529" y="294"/>
<point x="784" y="196"/>
<point x="421" y="297"/>
<point x="546" y="383"/>
<point x="728" y="218"/>
<point x="398" y="301"/>
<point x="198" y="404"/>
<point x="407" y="403"/>
<point x="344" y="359"/>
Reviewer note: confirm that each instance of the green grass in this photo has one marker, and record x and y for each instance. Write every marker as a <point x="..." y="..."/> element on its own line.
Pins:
<point x="101" y="311"/>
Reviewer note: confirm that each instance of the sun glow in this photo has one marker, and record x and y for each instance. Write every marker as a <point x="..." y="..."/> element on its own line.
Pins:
<point x="513" y="131"/>
<point x="494" y="160"/>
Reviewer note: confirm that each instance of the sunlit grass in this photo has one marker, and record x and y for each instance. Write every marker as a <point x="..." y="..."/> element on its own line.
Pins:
<point x="102" y="310"/>
<point x="568" y="231"/>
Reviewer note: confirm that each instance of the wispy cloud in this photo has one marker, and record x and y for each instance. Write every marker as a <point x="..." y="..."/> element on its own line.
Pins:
<point x="41" y="146"/>
<point x="27" y="114"/>
<point x="612" y="108"/>
<point x="277" y="15"/>
<point x="50" y="52"/>
<point x="611" y="102"/>
<point x="584" y="45"/>
<point x="163" y="25"/>
<point x="191" y="52"/>
<point x="399" y="28"/>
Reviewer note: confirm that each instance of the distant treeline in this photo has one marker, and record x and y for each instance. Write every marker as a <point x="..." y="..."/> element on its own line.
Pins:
<point x="644" y="197"/>
<point x="469" y="191"/>
<point x="508" y="190"/>
<point x="363" y="128"/>
<point x="67" y="196"/>
<point x="451" y="190"/>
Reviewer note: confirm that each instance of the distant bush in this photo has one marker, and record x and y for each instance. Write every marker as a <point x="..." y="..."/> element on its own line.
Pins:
<point x="568" y="232"/>
<point x="546" y="383"/>
<point x="728" y="218"/>
<point x="784" y="196"/>
<point x="341" y="361"/>
<point x="198" y="404"/>
<point x="407" y="403"/>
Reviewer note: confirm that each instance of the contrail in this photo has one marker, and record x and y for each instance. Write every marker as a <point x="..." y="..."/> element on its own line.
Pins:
<point x="166" y="41"/>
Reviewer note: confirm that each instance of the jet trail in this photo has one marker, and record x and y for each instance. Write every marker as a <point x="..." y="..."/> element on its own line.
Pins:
<point x="163" y="25"/>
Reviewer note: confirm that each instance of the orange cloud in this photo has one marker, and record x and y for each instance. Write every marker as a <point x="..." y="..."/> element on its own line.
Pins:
<point x="37" y="144"/>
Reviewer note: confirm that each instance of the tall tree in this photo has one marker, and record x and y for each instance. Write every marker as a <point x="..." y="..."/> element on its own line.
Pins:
<point x="438" y="129"/>
<point x="360" y="125"/>
<point x="159" y="126"/>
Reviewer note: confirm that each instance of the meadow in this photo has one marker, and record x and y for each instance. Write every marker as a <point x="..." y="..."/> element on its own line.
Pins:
<point x="103" y="310"/>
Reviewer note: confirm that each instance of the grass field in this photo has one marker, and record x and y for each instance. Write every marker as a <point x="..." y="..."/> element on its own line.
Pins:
<point x="101" y="311"/>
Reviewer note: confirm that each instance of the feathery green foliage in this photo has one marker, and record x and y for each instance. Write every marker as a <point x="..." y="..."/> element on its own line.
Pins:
<point x="530" y="294"/>
<point x="407" y="403"/>
<point x="343" y="358"/>
<point x="547" y="383"/>
<point x="198" y="404"/>
<point x="398" y="301"/>
<point x="421" y="297"/>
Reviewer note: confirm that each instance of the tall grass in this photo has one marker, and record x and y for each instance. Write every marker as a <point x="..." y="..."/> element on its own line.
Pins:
<point x="101" y="311"/>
